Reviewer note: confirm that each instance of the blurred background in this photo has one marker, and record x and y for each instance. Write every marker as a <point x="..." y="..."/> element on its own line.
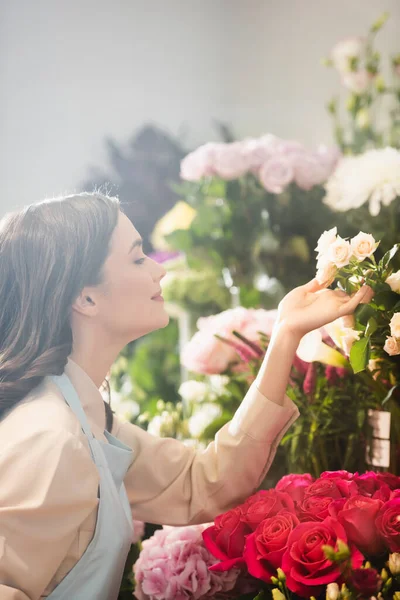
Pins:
<point x="74" y="74"/>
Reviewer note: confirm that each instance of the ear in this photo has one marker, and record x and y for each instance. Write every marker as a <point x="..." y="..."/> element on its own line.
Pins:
<point x="85" y="304"/>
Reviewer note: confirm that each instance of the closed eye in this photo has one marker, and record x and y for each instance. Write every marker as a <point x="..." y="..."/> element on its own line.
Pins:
<point x="140" y="261"/>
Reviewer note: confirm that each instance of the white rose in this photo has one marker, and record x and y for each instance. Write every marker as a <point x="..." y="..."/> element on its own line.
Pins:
<point x="325" y="240"/>
<point x="395" y="325"/>
<point x="340" y="252"/>
<point x="357" y="81"/>
<point x="394" y="282"/>
<point x="363" y="245"/>
<point x="392" y="346"/>
<point x="326" y="273"/>
<point x="345" y="50"/>
<point x="193" y="391"/>
<point x="332" y="591"/>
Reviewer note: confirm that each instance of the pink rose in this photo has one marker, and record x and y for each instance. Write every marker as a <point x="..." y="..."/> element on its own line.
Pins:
<point x="388" y="524"/>
<point x="230" y="160"/>
<point x="207" y="354"/>
<point x="266" y="546"/>
<point x="304" y="563"/>
<point x="346" y="475"/>
<point x="358" y="518"/>
<point x="276" y="174"/>
<point x="199" y="164"/>
<point x="294" y="484"/>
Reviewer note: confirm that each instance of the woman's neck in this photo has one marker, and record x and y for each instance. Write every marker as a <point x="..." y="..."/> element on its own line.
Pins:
<point x="94" y="354"/>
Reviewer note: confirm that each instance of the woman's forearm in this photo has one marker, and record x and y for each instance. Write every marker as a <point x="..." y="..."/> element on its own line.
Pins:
<point x="273" y="376"/>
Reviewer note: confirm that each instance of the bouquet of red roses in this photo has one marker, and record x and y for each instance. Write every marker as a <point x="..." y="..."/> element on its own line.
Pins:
<point x="338" y="535"/>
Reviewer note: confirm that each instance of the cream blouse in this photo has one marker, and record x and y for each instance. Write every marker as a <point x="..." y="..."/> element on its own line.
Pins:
<point x="49" y="484"/>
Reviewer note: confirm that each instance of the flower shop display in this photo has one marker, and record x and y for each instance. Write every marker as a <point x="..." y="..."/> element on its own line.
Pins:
<point x="337" y="536"/>
<point x="358" y="65"/>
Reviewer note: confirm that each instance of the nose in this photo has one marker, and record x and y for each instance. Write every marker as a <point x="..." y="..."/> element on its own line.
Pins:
<point x="159" y="270"/>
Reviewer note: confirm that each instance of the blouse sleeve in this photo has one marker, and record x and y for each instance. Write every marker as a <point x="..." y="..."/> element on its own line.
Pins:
<point x="173" y="484"/>
<point x="49" y="487"/>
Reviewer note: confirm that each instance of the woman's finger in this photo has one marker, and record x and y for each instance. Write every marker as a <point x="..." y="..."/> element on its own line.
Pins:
<point x="364" y="295"/>
<point x="313" y="286"/>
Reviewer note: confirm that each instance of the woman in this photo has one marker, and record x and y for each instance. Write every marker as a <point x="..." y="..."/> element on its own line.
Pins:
<point x="75" y="288"/>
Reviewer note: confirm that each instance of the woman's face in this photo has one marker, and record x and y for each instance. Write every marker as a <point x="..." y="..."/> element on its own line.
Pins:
<point x="128" y="300"/>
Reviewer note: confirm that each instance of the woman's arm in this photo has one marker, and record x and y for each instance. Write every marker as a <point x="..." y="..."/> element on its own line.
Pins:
<point x="170" y="483"/>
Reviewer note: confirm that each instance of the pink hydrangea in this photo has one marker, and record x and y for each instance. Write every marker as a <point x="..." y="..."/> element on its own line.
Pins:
<point x="174" y="565"/>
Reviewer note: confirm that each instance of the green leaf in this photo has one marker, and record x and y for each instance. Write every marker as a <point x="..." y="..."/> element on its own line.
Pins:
<point x="384" y="300"/>
<point x="372" y="326"/>
<point x="360" y="354"/>
<point x="388" y="256"/>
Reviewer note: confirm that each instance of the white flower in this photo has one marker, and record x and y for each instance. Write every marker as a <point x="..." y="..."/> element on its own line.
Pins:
<point x="325" y="240"/>
<point x="326" y="273"/>
<point x="395" y="325"/>
<point x="312" y="348"/>
<point x="392" y="346"/>
<point x="363" y="245"/>
<point x="340" y="252"/>
<point x="332" y="591"/>
<point x="342" y="333"/>
<point x="193" y="391"/>
<point x="394" y="282"/>
<point x="357" y="81"/>
<point x="373" y="176"/>
<point x="345" y="50"/>
<point x="203" y="417"/>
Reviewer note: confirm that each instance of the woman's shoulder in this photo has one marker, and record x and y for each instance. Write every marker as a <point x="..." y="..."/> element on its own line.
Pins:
<point x="42" y="413"/>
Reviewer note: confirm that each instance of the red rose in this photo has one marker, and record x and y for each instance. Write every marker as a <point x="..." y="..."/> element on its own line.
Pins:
<point x="295" y="485"/>
<point x="264" y="504"/>
<point x="366" y="581"/>
<point x="265" y="547"/>
<point x="225" y="540"/>
<point x="336" y="507"/>
<point x="314" y="508"/>
<point x="358" y="518"/>
<point x="304" y="563"/>
<point x="367" y="483"/>
<point x="333" y="487"/>
<point x="346" y="475"/>
<point x="384" y="493"/>
<point x="393" y="481"/>
<point x="388" y="523"/>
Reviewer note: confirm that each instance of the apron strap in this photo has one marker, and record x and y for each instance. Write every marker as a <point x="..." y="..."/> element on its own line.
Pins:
<point x="71" y="397"/>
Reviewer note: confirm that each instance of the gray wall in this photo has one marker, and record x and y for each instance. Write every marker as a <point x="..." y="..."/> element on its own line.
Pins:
<point x="76" y="71"/>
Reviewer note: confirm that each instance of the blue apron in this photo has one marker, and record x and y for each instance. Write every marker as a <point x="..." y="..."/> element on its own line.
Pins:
<point x="98" y="574"/>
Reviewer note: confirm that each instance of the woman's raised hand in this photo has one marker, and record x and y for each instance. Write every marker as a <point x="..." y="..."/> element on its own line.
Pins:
<point x="311" y="306"/>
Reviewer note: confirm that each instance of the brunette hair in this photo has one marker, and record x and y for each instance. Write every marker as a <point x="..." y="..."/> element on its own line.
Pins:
<point x="48" y="253"/>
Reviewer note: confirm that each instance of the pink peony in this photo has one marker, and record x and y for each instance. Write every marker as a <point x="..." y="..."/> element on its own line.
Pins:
<point x="230" y="160"/>
<point x="198" y="164"/>
<point x="208" y="355"/>
<point x="174" y="565"/>
<point x="276" y="174"/>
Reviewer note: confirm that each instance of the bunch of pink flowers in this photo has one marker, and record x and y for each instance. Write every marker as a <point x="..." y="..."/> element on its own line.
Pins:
<point x="174" y="565"/>
<point x="274" y="161"/>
